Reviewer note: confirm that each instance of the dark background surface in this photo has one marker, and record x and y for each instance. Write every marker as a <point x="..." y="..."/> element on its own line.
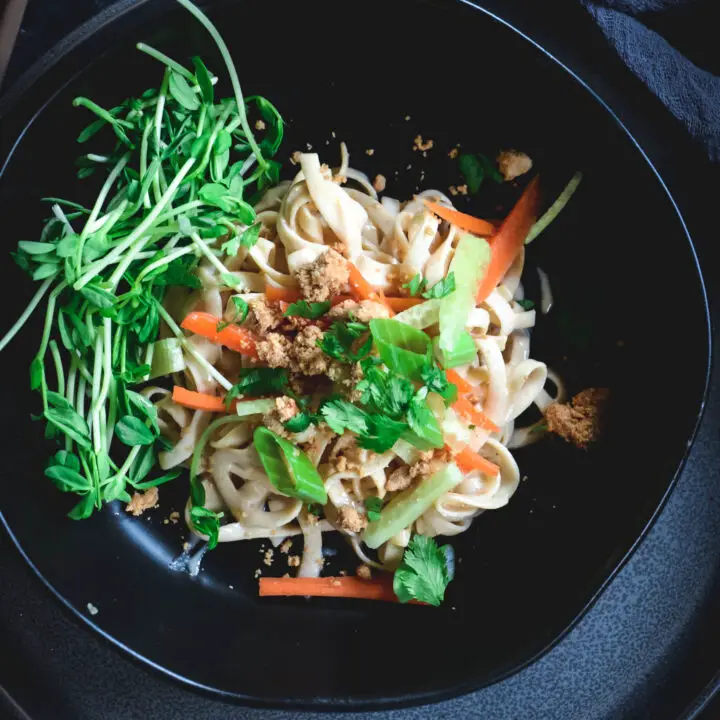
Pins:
<point x="649" y="646"/>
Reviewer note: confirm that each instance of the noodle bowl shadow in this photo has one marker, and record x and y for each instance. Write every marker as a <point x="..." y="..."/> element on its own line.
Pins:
<point x="526" y="572"/>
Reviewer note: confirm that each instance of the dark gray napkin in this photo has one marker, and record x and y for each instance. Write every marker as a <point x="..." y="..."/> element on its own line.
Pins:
<point x="692" y="94"/>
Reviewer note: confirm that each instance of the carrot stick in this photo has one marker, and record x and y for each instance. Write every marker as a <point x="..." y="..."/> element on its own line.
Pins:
<point x="461" y="220"/>
<point x="398" y="304"/>
<point x="199" y="401"/>
<point x="343" y="586"/>
<point x="232" y="336"/>
<point x="468" y="461"/>
<point x="463" y="386"/>
<point x="276" y="294"/>
<point x="510" y="238"/>
<point x="363" y="290"/>
<point x="464" y="407"/>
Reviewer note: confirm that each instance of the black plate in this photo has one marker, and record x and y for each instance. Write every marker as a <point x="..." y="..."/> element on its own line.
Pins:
<point x="524" y="577"/>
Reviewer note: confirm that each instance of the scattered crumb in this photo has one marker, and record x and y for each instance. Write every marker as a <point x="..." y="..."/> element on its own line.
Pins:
<point x="379" y="183"/>
<point x="524" y="478"/>
<point x="370" y="151"/>
<point x="92" y="609"/>
<point x="143" y="501"/>
<point x="350" y="519"/>
<point x="268" y="559"/>
<point x="423" y="147"/>
<point x="166" y="521"/>
<point x="343" y="573"/>
<point x="453" y="190"/>
<point x="335" y="583"/>
<point x="513" y="164"/>
<point x="295" y="157"/>
<point x="232" y="587"/>
<point x="294" y="560"/>
<point x="454" y="153"/>
<point x="186" y="546"/>
<point x="258" y="573"/>
<point x="462" y="189"/>
<point x="175" y="517"/>
<point x="407" y="117"/>
<point x="364" y="572"/>
<point x="308" y="146"/>
<point x="332" y="134"/>
<point x="285" y="546"/>
<point x="580" y="420"/>
<point x="260" y="125"/>
<point x="408" y="167"/>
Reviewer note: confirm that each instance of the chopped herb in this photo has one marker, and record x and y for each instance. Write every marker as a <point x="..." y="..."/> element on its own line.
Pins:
<point x="475" y="168"/>
<point x="304" y="309"/>
<point x="315" y="509"/>
<point x="416" y="285"/>
<point x="384" y="391"/>
<point x="339" y="340"/>
<point x="259" y="381"/>
<point x="425" y="571"/>
<point x="241" y="313"/>
<point x="374" y="506"/>
<point x="526" y="304"/>
<point x="301" y="422"/>
<point x="441" y="288"/>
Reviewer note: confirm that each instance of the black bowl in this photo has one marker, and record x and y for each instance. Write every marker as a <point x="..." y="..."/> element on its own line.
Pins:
<point x="620" y="261"/>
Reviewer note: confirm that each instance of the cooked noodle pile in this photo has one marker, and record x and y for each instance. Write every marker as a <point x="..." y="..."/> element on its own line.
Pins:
<point x="389" y="242"/>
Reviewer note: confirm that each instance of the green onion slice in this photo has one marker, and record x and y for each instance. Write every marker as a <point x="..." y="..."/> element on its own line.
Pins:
<point x="288" y="468"/>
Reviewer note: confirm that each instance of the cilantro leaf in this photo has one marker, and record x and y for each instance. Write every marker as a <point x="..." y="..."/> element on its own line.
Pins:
<point x="341" y="415"/>
<point x="301" y="422"/>
<point x="338" y="342"/>
<point x="441" y="288"/>
<point x="259" y="381"/>
<point x="436" y="381"/>
<point x="304" y="309"/>
<point x="472" y="170"/>
<point x="381" y="434"/>
<point x="384" y="391"/>
<point x="374" y="506"/>
<point x="425" y="571"/>
<point x="416" y="285"/>
<point x="526" y="304"/>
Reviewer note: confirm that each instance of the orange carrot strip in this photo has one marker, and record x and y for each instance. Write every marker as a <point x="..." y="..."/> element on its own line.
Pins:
<point x="510" y="238"/>
<point x="463" y="386"/>
<point x="467" y="461"/>
<point x="461" y="220"/>
<point x="398" y="304"/>
<point x="232" y="336"/>
<point x="199" y="401"/>
<point x="465" y="408"/>
<point x="276" y="294"/>
<point x="363" y="290"/>
<point x="343" y="586"/>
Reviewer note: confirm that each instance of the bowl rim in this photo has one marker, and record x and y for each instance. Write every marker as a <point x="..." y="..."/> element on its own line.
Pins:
<point x="122" y="8"/>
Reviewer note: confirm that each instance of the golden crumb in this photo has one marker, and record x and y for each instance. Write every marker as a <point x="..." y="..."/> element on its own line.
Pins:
<point x="260" y="125"/>
<point x="294" y="561"/>
<point x="142" y="501"/>
<point x="285" y="546"/>
<point x="379" y="183"/>
<point x="175" y="517"/>
<point x="186" y="546"/>
<point x="462" y="189"/>
<point x="580" y="420"/>
<point x="324" y="278"/>
<point x="370" y="151"/>
<point x="363" y="571"/>
<point x="350" y="519"/>
<point x="268" y="557"/>
<point x="453" y="190"/>
<point x="454" y="153"/>
<point x="419" y="144"/>
<point x="513" y="164"/>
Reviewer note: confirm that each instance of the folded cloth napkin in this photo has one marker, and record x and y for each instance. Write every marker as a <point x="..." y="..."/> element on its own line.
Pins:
<point x="690" y="93"/>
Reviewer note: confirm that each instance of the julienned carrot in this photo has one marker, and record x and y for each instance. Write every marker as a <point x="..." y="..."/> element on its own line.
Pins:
<point x="398" y="304"/>
<point x="510" y="238"/>
<point x="464" y="407"/>
<point x="276" y="294"/>
<point x="478" y="226"/>
<point x="363" y="290"/>
<point x="232" y="336"/>
<point x="199" y="401"/>
<point x="343" y="586"/>
<point x="463" y="386"/>
<point x="467" y="461"/>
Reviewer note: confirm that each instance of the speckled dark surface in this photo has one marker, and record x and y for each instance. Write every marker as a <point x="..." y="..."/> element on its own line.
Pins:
<point x="645" y="650"/>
